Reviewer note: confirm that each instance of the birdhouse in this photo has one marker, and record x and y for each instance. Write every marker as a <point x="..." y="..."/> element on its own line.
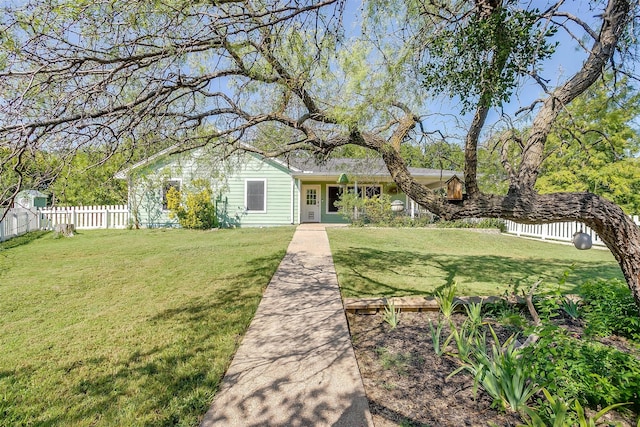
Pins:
<point x="454" y="188"/>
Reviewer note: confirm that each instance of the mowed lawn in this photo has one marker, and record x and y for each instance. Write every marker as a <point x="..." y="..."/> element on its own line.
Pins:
<point x="402" y="262"/>
<point x="126" y="328"/>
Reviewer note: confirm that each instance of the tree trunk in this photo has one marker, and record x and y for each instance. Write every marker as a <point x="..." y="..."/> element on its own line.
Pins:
<point x="65" y="230"/>
<point x="615" y="228"/>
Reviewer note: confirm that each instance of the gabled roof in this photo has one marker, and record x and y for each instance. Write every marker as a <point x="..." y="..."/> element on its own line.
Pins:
<point x="363" y="170"/>
<point x="176" y="149"/>
<point x="309" y="168"/>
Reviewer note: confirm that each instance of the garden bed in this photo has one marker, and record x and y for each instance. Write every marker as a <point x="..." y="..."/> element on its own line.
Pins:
<point x="407" y="384"/>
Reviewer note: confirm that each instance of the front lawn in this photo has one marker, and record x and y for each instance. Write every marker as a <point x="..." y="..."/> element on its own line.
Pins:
<point x="126" y="328"/>
<point x="401" y="262"/>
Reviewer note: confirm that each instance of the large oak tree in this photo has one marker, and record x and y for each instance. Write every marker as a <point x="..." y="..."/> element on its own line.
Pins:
<point x="100" y="72"/>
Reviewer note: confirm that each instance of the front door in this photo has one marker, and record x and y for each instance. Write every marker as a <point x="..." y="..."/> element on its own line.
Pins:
<point x="310" y="203"/>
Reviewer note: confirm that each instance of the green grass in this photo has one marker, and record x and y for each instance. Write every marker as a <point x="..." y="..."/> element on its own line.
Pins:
<point x="402" y="262"/>
<point x="115" y="328"/>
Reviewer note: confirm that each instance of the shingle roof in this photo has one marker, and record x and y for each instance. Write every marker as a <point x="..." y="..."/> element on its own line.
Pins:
<point x="369" y="166"/>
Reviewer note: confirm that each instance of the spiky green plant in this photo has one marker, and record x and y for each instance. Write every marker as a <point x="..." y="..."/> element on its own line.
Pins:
<point x="570" y="307"/>
<point x="561" y="414"/>
<point x="500" y="372"/>
<point x="446" y="300"/>
<point x="436" y="335"/>
<point x="466" y="341"/>
<point x="391" y="315"/>
<point x="474" y="316"/>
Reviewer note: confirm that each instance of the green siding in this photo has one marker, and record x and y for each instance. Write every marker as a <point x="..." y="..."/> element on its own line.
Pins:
<point x="278" y="194"/>
<point x="146" y="191"/>
<point x="229" y="186"/>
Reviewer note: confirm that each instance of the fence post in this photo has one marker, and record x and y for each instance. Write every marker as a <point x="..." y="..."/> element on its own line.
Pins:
<point x="14" y="228"/>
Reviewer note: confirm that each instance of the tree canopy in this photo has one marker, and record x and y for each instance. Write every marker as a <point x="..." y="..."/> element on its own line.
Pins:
<point x="594" y="146"/>
<point x="324" y="74"/>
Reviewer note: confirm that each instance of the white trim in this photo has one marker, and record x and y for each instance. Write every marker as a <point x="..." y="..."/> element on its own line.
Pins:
<point x="298" y="195"/>
<point x="291" y="210"/>
<point x="246" y="207"/>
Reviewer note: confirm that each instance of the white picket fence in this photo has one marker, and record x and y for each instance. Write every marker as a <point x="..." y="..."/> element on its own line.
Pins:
<point x="21" y="221"/>
<point x="561" y="231"/>
<point x="17" y="222"/>
<point x="85" y="217"/>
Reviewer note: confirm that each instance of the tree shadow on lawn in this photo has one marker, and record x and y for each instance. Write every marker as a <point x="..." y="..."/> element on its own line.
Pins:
<point x="170" y="383"/>
<point x="369" y="265"/>
<point x="24" y="239"/>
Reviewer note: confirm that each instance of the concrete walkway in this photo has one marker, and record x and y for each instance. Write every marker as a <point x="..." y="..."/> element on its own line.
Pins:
<point x="295" y="366"/>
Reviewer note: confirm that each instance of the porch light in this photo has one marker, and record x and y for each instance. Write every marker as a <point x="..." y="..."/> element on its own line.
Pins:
<point x="397" y="206"/>
<point x="582" y="240"/>
<point x="343" y="180"/>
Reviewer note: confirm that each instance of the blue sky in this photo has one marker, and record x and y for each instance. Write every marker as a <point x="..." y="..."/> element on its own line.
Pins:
<point x="566" y="60"/>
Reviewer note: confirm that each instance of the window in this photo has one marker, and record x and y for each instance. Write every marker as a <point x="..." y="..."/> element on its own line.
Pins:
<point x="333" y="195"/>
<point x="367" y="191"/>
<point x="172" y="183"/>
<point x="312" y="196"/>
<point x="334" y="192"/>
<point x="255" y="195"/>
<point x="372" y="191"/>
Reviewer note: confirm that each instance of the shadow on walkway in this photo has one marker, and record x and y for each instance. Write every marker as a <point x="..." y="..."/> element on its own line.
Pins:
<point x="296" y="365"/>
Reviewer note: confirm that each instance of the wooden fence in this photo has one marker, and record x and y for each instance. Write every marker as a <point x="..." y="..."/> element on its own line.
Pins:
<point x="17" y="222"/>
<point x="86" y="217"/>
<point x="561" y="231"/>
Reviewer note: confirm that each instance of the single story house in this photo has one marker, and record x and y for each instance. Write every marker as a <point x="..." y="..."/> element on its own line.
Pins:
<point x="252" y="190"/>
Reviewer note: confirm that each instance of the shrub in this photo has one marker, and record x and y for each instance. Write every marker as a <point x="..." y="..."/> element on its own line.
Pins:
<point x="590" y="372"/>
<point x="351" y="207"/>
<point x="198" y="210"/>
<point x="474" y="223"/>
<point x="609" y="309"/>
<point x="366" y="210"/>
